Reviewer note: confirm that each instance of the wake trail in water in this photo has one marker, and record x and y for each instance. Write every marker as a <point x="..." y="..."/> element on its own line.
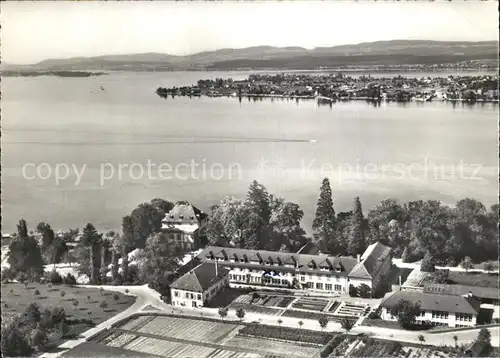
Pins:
<point x="164" y="142"/>
<point x="198" y="138"/>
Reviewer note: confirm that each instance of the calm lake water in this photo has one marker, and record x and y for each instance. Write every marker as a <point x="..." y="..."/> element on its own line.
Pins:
<point x="408" y="152"/>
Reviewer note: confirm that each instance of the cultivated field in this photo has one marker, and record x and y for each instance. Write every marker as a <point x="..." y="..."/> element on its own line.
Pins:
<point x="179" y="337"/>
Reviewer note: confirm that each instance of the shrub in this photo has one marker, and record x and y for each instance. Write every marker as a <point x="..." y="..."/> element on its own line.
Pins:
<point x="116" y="297"/>
<point x="69" y="279"/>
<point x="240" y="313"/>
<point x="63" y="293"/>
<point x="8" y="274"/>
<point x="375" y="314"/>
<point x="126" y="290"/>
<point x="76" y="303"/>
<point x="103" y="305"/>
<point x="37" y="292"/>
<point x="285" y="333"/>
<point x="353" y="291"/>
<point x="49" y="285"/>
<point x="101" y="291"/>
<point x="55" y="277"/>
<point x="14" y="343"/>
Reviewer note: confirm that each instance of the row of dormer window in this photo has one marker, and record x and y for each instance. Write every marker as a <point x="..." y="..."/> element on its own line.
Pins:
<point x="278" y="262"/>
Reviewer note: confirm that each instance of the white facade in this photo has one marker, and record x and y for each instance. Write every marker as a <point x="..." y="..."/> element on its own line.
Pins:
<point x="191" y="299"/>
<point x="321" y="282"/>
<point x="438" y="318"/>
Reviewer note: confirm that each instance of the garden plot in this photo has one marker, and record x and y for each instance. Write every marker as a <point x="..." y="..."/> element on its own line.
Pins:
<point x="167" y="348"/>
<point x="119" y="339"/>
<point x="310" y="304"/>
<point x="350" y="309"/>
<point x="273" y="347"/>
<point x="198" y="330"/>
<point x="256" y="309"/>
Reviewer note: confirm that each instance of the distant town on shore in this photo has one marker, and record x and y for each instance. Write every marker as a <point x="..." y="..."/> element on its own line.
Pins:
<point x="333" y="87"/>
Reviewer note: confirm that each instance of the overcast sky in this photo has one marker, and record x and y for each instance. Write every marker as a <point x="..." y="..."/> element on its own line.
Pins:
<point x="32" y="32"/>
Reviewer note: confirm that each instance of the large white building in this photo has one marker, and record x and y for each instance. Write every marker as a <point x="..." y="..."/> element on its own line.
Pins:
<point x="438" y="310"/>
<point x="182" y="225"/>
<point x="199" y="285"/>
<point x="316" y="273"/>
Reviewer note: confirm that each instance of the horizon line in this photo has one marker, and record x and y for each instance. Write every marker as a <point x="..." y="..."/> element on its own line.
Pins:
<point x="237" y="48"/>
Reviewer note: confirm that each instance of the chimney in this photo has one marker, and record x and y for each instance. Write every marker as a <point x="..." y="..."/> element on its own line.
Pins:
<point x="359" y="257"/>
<point x="216" y="268"/>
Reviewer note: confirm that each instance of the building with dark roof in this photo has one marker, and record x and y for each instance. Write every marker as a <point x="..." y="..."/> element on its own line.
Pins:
<point x="373" y="267"/>
<point x="317" y="273"/>
<point x="182" y="225"/>
<point x="436" y="309"/>
<point x="199" y="285"/>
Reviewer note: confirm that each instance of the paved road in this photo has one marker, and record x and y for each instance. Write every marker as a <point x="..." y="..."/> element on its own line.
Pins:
<point x="148" y="297"/>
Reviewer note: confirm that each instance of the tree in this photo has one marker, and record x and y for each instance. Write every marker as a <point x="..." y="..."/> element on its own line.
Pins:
<point x="14" y="343"/>
<point x="364" y="291"/>
<point x="37" y="292"/>
<point x="488" y="267"/>
<point x="421" y="338"/>
<point x="353" y="291"/>
<point x="323" y="322"/>
<point x="301" y="324"/>
<point x="285" y="224"/>
<point x="38" y="338"/>
<point x="223" y="312"/>
<point x="324" y="220"/>
<point x="356" y="239"/>
<point x="103" y="305"/>
<point x="91" y="240"/>
<point x="114" y="263"/>
<point x="455" y="338"/>
<point x="240" y="313"/>
<point x="24" y="254"/>
<point x="428" y="263"/>
<point x="69" y="279"/>
<point x="346" y="324"/>
<point x="116" y="297"/>
<point x="441" y="276"/>
<point x="467" y="264"/>
<point x="405" y="257"/>
<point x="57" y="250"/>
<point x="380" y="217"/>
<point x="258" y="199"/>
<point x="63" y="293"/>
<point x="55" y="277"/>
<point x="484" y="336"/>
<point x="406" y="312"/>
<point x="158" y="262"/>
<point x="280" y="321"/>
<point x="76" y="303"/>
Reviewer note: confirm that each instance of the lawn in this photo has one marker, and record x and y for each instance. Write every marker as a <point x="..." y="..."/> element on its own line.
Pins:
<point x="474" y="278"/>
<point x="16" y="297"/>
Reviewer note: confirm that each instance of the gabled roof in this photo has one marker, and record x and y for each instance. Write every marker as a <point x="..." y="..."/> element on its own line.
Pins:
<point x="290" y="262"/>
<point x="183" y="212"/>
<point x="200" y="278"/>
<point x="371" y="261"/>
<point x="434" y="302"/>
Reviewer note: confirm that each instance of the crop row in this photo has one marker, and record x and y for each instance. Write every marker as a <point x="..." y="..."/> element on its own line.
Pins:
<point x="201" y="331"/>
<point x="286" y="333"/>
<point x="167" y="348"/>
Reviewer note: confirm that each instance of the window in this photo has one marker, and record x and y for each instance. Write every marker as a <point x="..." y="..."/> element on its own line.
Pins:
<point x="193" y="304"/>
<point x="319" y="285"/>
<point x="302" y="278"/>
<point x="338" y="287"/>
<point x="187" y="294"/>
<point x="176" y="293"/>
<point x="328" y="286"/>
<point x="199" y="297"/>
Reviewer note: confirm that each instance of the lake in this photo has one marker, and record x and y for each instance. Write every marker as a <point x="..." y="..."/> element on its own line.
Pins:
<point x="128" y="146"/>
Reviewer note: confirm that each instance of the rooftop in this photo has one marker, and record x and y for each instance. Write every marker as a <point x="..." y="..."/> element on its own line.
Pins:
<point x="371" y="261"/>
<point x="434" y="302"/>
<point x="184" y="213"/>
<point x="340" y="265"/>
<point x="200" y="278"/>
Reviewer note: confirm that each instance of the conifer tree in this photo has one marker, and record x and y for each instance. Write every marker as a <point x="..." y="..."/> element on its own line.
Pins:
<point x="324" y="221"/>
<point x="356" y="243"/>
